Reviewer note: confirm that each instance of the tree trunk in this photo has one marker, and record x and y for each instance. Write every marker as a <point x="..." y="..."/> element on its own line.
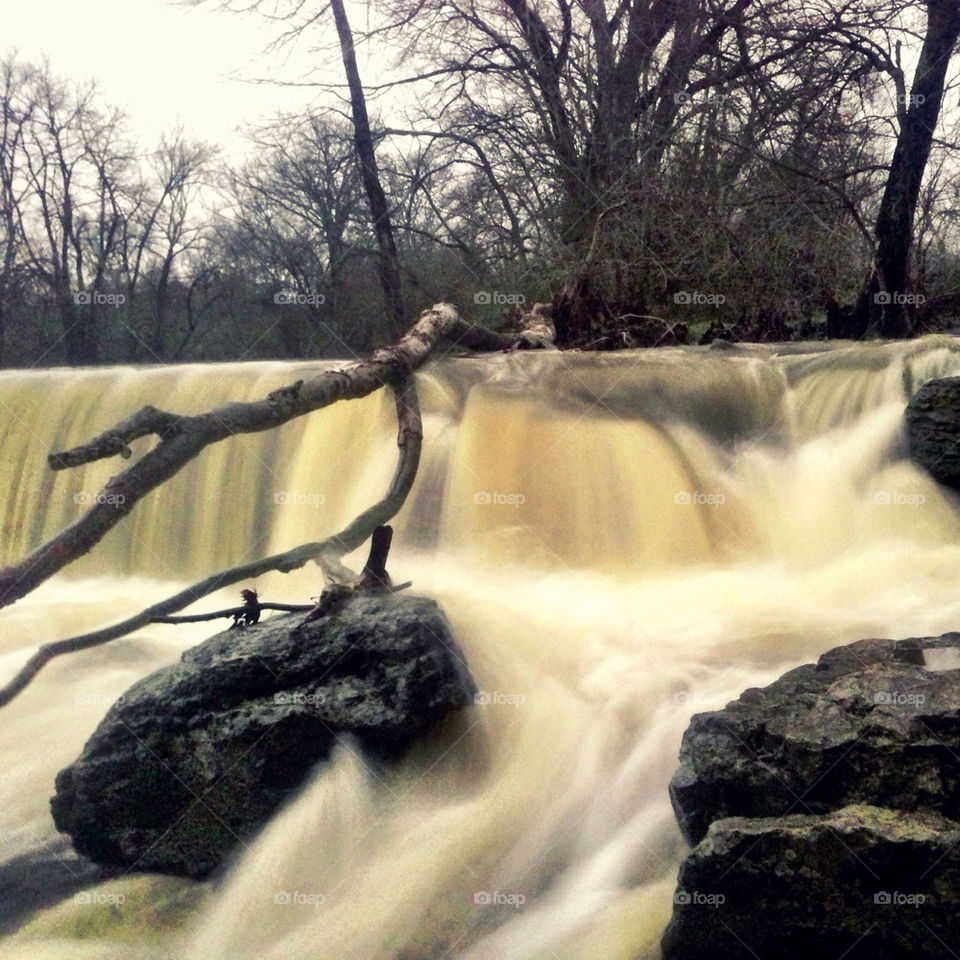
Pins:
<point x="78" y="338"/>
<point x="160" y="310"/>
<point x="884" y="302"/>
<point x="363" y="140"/>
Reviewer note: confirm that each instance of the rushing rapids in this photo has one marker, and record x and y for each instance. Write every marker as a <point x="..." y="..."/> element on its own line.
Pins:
<point x="619" y="541"/>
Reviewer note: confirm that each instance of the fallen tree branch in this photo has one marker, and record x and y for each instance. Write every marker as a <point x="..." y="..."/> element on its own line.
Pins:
<point x="326" y="552"/>
<point x="182" y="438"/>
<point x="233" y="611"/>
<point x="146" y="421"/>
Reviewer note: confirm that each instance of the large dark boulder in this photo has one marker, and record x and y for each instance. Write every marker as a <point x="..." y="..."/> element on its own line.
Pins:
<point x="197" y="756"/>
<point x="868" y="723"/>
<point x="933" y="429"/>
<point x="862" y="883"/>
<point x="825" y="810"/>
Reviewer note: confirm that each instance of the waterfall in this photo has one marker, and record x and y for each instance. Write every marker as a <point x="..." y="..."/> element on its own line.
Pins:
<point x="619" y="541"/>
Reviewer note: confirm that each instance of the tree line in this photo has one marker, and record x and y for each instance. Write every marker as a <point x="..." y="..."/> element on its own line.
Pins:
<point x="785" y="164"/>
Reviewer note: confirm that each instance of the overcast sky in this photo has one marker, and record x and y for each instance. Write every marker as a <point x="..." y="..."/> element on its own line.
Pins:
<point x="161" y="61"/>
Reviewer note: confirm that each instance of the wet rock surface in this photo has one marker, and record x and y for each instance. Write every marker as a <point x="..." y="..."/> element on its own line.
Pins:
<point x="197" y="756"/>
<point x="933" y="429"/>
<point x="868" y="723"/>
<point x="860" y="882"/>
<point x="824" y="811"/>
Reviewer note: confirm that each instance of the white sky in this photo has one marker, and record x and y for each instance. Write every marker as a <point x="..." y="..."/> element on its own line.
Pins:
<point x="164" y="62"/>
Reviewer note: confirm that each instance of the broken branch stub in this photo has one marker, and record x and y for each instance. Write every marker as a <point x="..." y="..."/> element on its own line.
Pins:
<point x="181" y="438"/>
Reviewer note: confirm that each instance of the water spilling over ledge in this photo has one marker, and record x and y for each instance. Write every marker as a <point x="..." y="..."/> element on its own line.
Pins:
<point x="692" y="523"/>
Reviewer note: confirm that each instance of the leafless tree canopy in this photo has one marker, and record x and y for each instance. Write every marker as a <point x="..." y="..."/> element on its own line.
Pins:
<point x="780" y="155"/>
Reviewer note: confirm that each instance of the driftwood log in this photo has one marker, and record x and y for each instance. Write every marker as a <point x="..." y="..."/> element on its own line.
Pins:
<point x="180" y="439"/>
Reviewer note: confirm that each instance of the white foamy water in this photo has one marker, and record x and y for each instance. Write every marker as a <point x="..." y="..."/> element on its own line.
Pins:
<point x="692" y="523"/>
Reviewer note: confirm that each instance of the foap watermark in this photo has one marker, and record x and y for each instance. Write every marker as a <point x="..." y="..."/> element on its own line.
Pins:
<point x="288" y="297"/>
<point x="499" y="898"/>
<point x="298" y="898"/>
<point x="294" y="697"/>
<point x="894" y="698"/>
<point x="698" y="899"/>
<point x="691" y="697"/>
<point x="698" y="96"/>
<point x="697" y="298"/>
<point x="908" y="299"/>
<point x="484" y="497"/>
<point x="84" y="698"/>
<point x="299" y="499"/>
<point x="685" y="497"/>
<point x="883" y="498"/>
<point x="895" y="898"/>
<point x="85" y="498"/>
<point x="91" y="298"/>
<point x="95" y="898"/>
<point x="498" y="298"/>
<point x="911" y="99"/>
<point x="485" y="699"/>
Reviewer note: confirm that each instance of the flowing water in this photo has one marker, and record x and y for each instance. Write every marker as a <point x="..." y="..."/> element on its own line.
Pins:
<point x="619" y="541"/>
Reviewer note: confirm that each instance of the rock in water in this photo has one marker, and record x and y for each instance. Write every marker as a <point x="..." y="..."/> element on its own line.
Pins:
<point x="861" y="883"/>
<point x="933" y="429"/>
<point x="197" y="756"/>
<point x="868" y="723"/>
<point x="825" y="810"/>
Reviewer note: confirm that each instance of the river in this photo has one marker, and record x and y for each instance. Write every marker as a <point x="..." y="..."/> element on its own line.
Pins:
<point x="618" y="540"/>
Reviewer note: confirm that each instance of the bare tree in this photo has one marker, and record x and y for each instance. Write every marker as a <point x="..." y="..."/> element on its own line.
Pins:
<point x="363" y="140"/>
<point x="592" y="103"/>
<point x="171" y="231"/>
<point x="70" y="217"/>
<point x="572" y="132"/>
<point x="297" y="222"/>
<point x="15" y="113"/>
<point x="885" y="299"/>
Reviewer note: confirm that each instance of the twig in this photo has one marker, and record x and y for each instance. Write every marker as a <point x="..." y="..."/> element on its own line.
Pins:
<point x="409" y="441"/>
<point x="182" y="438"/>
